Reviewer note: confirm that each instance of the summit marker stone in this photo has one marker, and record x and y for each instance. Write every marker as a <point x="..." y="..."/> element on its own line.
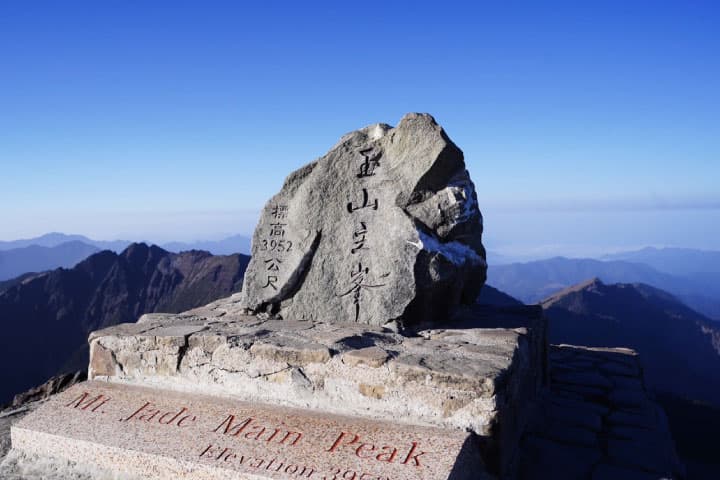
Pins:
<point x="131" y="432"/>
<point x="384" y="229"/>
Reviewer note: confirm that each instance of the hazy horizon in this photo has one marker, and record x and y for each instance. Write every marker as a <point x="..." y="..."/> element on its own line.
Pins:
<point x="517" y="235"/>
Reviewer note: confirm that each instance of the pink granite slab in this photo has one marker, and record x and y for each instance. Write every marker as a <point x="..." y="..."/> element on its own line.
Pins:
<point x="161" y="434"/>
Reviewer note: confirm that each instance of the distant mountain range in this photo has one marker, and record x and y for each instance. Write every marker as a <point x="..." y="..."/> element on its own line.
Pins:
<point x="675" y="261"/>
<point x="46" y="318"/>
<point x="679" y="348"/>
<point x="35" y="258"/>
<point x="55" y="250"/>
<point x="55" y="239"/>
<point x="533" y="281"/>
<point x="495" y="258"/>
<point x="226" y="246"/>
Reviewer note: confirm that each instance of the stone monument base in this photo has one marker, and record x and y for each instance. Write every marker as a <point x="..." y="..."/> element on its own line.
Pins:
<point x="479" y="374"/>
<point x="470" y="384"/>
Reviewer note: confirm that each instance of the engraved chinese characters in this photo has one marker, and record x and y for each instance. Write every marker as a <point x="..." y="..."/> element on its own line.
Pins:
<point x="279" y="251"/>
<point x="383" y="228"/>
<point x="360" y="274"/>
<point x="275" y="246"/>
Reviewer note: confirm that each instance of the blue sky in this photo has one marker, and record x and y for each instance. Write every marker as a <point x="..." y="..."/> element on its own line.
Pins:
<point x="586" y="126"/>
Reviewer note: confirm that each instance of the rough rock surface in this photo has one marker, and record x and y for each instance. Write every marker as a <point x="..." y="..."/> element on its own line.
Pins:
<point x="56" y="384"/>
<point x="384" y="228"/>
<point x="480" y="371"/>
<point x="27" y="401"/>
<point x="598" y="422"/>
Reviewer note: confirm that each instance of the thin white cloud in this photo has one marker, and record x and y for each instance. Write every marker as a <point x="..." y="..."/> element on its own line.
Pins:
<point x="627" y="204"/>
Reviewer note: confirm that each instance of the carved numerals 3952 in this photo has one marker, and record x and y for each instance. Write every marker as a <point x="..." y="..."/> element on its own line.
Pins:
<point x="276" y="245"/>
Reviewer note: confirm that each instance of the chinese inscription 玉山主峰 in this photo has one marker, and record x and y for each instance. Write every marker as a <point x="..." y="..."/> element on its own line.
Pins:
<point x="358" y="278"/>
<point x="374" y="205"/>
<point x="359" y="273"/>
<point x="372" y="161"/>
<point x="359" y="238"/>
<point x="275" y="245"/>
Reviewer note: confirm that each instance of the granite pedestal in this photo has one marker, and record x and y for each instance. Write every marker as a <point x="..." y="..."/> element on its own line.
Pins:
<point x="471" y="384"/>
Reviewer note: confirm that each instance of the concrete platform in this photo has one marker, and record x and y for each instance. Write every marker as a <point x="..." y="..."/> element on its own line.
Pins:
<point x="481" y="372"/>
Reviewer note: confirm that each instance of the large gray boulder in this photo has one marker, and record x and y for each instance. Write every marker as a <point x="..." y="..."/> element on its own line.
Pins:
<point x="384" y="229"/>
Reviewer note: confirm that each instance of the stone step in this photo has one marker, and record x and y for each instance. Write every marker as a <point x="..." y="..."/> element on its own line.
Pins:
<point x="469" y="376"/>
<point x="158" y="434"/>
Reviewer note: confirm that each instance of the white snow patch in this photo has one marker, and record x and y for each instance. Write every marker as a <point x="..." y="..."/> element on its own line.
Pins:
<point x="463" y="193"/>
<point x="456" y="252"/>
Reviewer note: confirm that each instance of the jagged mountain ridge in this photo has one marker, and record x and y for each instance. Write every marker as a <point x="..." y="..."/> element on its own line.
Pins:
<point x="47" y="318"/>
<point x="53" y="250"/>
<point x="679" y="347"/>
<point x="6" y="284"/>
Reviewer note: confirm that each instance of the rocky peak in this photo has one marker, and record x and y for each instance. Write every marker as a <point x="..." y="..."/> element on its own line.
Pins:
<point x="142" y="254"/>
<point x="65" y="305"/>
<point x="678" y="346"/>
<point x="593" y="285"/>
<point x="384" y="229"/>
